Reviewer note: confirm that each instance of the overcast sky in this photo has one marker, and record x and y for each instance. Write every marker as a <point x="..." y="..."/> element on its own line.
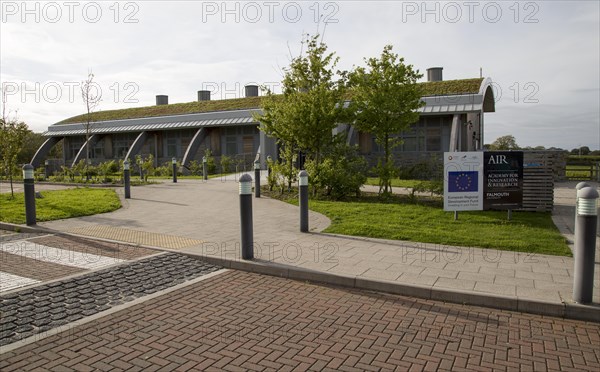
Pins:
<point x="543" y="56"/>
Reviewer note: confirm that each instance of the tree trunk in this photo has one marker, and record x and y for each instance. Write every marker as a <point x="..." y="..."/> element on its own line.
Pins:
<point x="385" y="163"/>
<point x="12" y="191"/>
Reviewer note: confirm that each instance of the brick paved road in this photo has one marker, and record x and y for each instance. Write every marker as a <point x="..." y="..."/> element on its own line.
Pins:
<point x="245" y="321"/>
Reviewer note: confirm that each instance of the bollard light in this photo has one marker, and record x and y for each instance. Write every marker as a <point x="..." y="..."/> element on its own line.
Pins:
<point x="29" y="194"/>
<point x="585" y="245"/>
<point x="28" y="172"/>
<point x="246" y="225"/>
<point x="257" y="178"/>
<point x="303" y="178"/>
<point x="245" y="185"/>
<point x="174" y="161"/>
<point x="586" y="202"/>
<point x="303" y="199"/>
<point x="578" y="187"/>
<point x="126" y="165"/>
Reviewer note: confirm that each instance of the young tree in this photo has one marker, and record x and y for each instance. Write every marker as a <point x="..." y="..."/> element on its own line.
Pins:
<point x="312" y="103"/>
<point x="385" y="99"/>
<point x="91" y="96"/>
<point x="12" y="140"/>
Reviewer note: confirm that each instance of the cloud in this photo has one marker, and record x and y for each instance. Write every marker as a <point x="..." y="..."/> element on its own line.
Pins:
<point x="544" y="51"/>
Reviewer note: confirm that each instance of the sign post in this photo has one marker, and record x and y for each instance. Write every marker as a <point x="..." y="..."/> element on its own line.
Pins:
<point x="463" y="186"/>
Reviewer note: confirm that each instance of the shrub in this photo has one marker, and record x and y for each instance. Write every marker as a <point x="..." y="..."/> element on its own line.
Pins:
<point x="195" y="168"/>
<point x="341" y="173"/>
<point x="211" y="166"/>
<point x="225" y="163"/>
<point x="146" y="166"/>
<point x="107" y="168"/>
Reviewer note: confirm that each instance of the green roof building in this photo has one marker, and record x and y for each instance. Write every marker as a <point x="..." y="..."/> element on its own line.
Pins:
<point x="452" y="119"/>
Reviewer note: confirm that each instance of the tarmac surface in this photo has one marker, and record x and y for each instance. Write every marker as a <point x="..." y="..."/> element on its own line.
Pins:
<point x="107" y="295"/>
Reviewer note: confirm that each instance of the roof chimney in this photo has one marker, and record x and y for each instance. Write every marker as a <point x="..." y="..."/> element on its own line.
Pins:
<point x="204" y="95"/>
<point x="162" y="100"/>
<point x="251" y="90"/>
<point x="434" y="74"/>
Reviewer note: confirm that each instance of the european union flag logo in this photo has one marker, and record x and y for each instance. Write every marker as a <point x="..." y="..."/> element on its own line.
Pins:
<point x="462" y="181"/>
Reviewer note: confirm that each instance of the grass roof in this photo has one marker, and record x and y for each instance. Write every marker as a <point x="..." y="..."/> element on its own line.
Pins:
<point x="434" y="88"/>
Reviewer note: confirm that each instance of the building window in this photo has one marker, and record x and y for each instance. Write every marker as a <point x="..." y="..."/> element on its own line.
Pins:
<point x="231" y="145"/>
<point x="121" y="147"/>
<point x="98" y="151"/>
<point x="434" y="138"/>
<point x="74" y="147"/>
<point x="171" y="147"/>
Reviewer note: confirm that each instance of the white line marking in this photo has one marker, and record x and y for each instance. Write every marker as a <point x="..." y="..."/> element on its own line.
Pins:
<point x="11" y="281"/>
<point x="66" y="257"/>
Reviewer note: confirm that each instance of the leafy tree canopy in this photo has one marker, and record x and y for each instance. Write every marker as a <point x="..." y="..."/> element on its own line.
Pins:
<point x="507" y="142"/>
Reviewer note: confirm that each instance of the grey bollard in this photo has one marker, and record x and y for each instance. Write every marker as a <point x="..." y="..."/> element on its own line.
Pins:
<point x="46" y="170"/>
<point x="29" y="190"/>
<point x="578" y="187"/>
<point x="247" y="233"/>
<point x="303" y="202"/>
<point x="257" y="179"/>
<point x="126" y="179"/>
<point x="204" y="174"/>
<point x="174" y="161"/>
<point x="585" y="245"/>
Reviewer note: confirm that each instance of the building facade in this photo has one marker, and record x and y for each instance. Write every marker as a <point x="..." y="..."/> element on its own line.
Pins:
<point x="452" y="119"/>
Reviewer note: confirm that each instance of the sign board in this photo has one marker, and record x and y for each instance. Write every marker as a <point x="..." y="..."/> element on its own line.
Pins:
<point x="503" y="174"/>
<point x="463" y="181"/>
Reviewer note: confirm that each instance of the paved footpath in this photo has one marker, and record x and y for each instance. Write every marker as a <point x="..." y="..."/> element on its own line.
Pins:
<point x="206" y="216"/>
<point x="238" y="321"/>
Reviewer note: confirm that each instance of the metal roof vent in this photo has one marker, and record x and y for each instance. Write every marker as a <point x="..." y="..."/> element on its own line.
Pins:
<point x="251" y="90"/>
<point x="162" y="100"/>
<point x="434" y="74"/>
<point x="204" y="95"/>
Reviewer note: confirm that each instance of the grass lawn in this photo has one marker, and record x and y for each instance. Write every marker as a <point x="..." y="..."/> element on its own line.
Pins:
<point x="426" y="222"/>
<point x="60" y="204"/>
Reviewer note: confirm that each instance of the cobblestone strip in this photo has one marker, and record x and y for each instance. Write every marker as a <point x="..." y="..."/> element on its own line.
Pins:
<point x="31" y="311"/>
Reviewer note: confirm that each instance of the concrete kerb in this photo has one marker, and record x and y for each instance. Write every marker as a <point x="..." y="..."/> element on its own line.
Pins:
<point x="563" y="310"/>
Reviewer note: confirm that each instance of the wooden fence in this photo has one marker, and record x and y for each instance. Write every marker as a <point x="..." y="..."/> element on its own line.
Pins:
<point x="538" y="180"/>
